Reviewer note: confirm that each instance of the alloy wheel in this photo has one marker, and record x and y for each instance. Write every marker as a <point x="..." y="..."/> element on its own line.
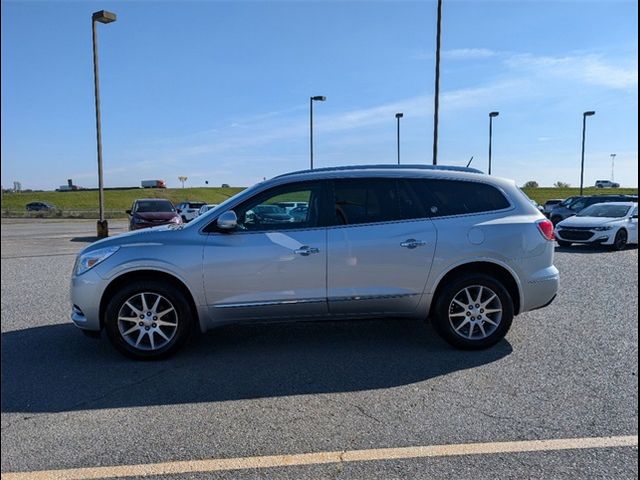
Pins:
<point x="147" y="321"/>
<point x="475" y="312"/>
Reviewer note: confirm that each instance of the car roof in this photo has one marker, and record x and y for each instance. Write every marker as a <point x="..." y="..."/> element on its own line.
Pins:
<point x="626" y="204"/>
<point x="383" y="167"/>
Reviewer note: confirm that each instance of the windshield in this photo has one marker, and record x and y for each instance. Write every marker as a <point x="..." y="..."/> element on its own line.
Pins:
<point x="568" y="201"/>
<point x="150" y="206"/>
<point x="605" y="211"/>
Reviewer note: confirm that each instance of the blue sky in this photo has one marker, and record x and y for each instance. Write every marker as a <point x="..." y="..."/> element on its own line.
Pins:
<point x="219" y="91"/>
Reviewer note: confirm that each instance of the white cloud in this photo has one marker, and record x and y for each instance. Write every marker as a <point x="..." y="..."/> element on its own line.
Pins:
<point x="590" y="69"/>
<point x="468" y="53"/>
<point x="459" y="54"/>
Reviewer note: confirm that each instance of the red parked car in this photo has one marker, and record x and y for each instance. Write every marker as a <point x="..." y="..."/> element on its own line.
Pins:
<point x="151" y="212"/>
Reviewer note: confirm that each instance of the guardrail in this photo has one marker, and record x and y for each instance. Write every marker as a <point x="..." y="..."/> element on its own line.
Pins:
<point x="62" y="213"/>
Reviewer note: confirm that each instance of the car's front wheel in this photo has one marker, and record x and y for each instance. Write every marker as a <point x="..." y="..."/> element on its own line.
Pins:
<point x="474" y="311"/>
<point x="621" y="240"/>
<point x="148" y="319"/>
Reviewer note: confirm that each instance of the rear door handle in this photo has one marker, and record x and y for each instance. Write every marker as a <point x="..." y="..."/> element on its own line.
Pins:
<point x="305" y="250"/>
<point x="412" y="243"/>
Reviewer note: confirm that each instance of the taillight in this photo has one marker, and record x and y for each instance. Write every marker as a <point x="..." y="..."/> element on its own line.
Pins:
<point x="546" y="229"/>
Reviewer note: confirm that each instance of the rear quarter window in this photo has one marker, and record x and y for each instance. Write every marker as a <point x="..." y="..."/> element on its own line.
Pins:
<point x="456" y="197"/>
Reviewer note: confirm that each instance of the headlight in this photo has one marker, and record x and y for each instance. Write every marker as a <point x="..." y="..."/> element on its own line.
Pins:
<point x="602" y="229"/>
<point x="138" y="220"/>
<point x="88" y="260"/>
<point x="176" y="220"/>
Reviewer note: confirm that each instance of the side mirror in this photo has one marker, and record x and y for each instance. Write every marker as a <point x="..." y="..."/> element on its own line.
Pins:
<point x="128" y="212"/>
<point x="227" y="220"/>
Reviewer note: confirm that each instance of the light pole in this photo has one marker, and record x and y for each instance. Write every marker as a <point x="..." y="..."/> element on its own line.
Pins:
<point x="398" y="117"/>
<point x="317" y="98"/>
<point x="103" y="17"/>
<point x="584" y="130"/>
<point x="613" y="166"/>
<point x="437" y="84"/>
<point x="492" y="115"/>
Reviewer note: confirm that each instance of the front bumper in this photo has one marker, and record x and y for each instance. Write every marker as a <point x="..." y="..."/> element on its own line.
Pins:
<point x="86" y="292"/>
<point x="605" y="237"/>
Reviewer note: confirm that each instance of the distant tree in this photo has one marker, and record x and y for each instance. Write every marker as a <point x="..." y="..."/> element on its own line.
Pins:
<point x="560" y="184"/>
<point x="531" y="184"/>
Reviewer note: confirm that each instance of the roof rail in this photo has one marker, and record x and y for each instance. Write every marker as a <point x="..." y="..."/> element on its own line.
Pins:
<point x="453" y="168"/>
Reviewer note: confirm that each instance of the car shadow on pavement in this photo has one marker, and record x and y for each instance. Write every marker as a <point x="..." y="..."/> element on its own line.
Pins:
<point x="55" y="368"/>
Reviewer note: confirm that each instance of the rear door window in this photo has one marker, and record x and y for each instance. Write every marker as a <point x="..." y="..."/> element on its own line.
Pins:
<point x="374" y="200"/>
<point x="457" y="197"/>
<point x="364" y="200"/>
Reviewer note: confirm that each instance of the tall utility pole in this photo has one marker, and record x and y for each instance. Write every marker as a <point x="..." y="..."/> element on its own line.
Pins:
<point x="398" y="117"/>
<point x="584" y="131"/>
<point x="436" y="95"/>
<point x="317" y="98"/>
<point x="103" y="17"/>
<point x="492" y="115"/>
<point x="613" y="166"/>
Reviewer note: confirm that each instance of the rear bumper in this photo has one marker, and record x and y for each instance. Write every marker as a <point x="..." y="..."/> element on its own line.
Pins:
<point x="541" y="289"/>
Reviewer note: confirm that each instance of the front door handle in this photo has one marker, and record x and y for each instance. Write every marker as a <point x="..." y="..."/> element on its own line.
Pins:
<point x="412" y="243"/>
<point x="305" y="250"/>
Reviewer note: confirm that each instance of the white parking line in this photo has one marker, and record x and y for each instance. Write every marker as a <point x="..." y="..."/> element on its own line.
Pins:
<point x="318" y="458"/>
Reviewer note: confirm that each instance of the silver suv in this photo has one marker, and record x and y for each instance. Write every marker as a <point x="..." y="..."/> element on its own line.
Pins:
<point x="467" y="250"/>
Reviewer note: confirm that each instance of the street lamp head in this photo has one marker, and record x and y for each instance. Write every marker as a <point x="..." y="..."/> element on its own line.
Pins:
<point x="494" y="114"/>
<point x="589" y="113"/>
<point x="318" y="98"/>
<point x="399" y="115"/>
<point x="103" y="17"/>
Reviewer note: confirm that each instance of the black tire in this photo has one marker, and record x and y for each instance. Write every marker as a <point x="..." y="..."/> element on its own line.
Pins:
<point x="564" y="244"/>
<point x="444" y="302"/>
<point x="621" y="240"/>
<point x="181" y="315"/>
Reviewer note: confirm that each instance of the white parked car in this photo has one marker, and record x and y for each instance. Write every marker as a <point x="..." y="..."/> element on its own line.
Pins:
<point x="206" y="208"/>
<point x="606" y="184"/>
<point x="614" y="224"/>
<point x="189" y="210"/>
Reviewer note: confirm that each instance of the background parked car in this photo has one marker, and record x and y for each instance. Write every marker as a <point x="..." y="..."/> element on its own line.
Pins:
<point x="550" y="205"/>
<point x="565" y="210"/>
<point x="151" y="212"/>
<point x="268" y="213"/>
<point x="206" y="208"/>
<point x="614" y="224"/>
<point x="189" y="210"/>
<point x="288" y="206"/>
<point x="606" y="184"/>
<point x="40" y="207"/>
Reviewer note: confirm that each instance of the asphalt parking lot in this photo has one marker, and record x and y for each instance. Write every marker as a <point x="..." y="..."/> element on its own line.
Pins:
<point x="565" y="372"/>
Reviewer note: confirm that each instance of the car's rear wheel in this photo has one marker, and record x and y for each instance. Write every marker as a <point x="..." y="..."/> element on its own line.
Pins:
<point x="148" y="319"/>
<point x="474" y="311"/>
<point x="621" y="239"/>
<point x="562" y="243"/>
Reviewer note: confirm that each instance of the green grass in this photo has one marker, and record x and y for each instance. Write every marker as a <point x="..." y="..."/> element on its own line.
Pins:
<point x="114" y="199"/>
<point x="117" y="201"/>
<point x="543" y="194"/>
